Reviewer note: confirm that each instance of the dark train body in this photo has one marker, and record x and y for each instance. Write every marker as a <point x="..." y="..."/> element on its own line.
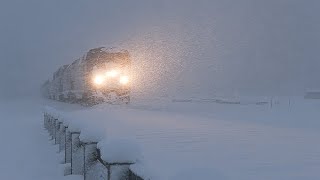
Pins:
<point x="101" y="75"/>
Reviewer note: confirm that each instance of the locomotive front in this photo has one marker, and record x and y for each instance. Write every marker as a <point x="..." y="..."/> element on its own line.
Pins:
<point x="109" y="75"/>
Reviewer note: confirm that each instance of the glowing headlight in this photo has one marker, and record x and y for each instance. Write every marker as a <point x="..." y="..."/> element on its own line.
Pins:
<point x="98" y="80"/>
<point x="124" y="80"/>
<point x="112" y="73"/>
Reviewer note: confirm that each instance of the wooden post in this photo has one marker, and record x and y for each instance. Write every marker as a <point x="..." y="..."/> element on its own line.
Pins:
<point x="58" y="133"/>
<point x="50" y="126"/>
<point x="55" y="130"/>
<point x="65" y="145"/>
<point x="62" y="134"/>
<point x="68" y="146"/>
<point x="109" y="171"/>
<point x="75" y="144"/>
<point x="89" y="156"/>
<point x="289" y="102"/>
<point x="45" y="120"/>
<point x="109" y="165"/>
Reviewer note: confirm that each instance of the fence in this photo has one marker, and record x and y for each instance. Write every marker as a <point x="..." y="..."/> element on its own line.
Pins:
<point x="84" y="158"/>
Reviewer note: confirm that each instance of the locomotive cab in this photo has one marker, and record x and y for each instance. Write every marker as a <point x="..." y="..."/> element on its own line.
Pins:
<point x="109" y="76"/>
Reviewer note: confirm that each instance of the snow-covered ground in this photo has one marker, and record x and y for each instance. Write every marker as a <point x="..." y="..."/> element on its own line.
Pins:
<point x="25" y="152"/>
<point x="205" y="140"/>
<point x="180" y="140"/>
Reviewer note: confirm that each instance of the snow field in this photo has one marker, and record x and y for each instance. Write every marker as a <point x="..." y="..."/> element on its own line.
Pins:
<point x="211" y="141"/>
<point x="25" y="152"/>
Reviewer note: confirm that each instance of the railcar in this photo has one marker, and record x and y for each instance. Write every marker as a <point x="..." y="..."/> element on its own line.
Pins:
<point x="101" y="75"/>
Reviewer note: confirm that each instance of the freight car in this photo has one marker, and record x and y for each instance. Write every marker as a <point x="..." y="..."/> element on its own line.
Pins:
<point x="101" y="75"/>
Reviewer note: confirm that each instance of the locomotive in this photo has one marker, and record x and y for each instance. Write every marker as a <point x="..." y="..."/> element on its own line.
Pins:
<point x="101" y="75"/>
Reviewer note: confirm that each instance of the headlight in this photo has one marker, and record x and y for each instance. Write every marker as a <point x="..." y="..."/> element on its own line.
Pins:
<point x="98" y="80"/>
<point x="124" y="80"/>
<point x="112" y="73"/>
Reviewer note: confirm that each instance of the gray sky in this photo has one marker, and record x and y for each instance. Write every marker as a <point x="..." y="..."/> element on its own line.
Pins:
<point x="206" y="46"/>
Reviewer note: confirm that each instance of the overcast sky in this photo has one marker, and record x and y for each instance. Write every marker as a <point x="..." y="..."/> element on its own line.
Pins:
<point x="244" y="46"/>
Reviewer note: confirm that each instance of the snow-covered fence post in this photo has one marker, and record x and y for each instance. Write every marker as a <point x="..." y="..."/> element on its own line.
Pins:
<point x="62" y="135"/>
<point x="66" y="141"/>
<point x="49" y="124"/>
<point x="123" y="165"/>
<point x="51" y="127"/>
<point x="68" y="150"/>
<point x="90" y="156"/>
<point x="76" y="160"/>
<point x="56" y="130"/>
<point x="58" y="133"/>
<point x="45" y="120"/>
<point x="132" y="176"/>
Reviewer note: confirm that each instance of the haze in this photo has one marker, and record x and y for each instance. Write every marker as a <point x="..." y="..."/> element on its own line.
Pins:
<point x="179" y="47"/>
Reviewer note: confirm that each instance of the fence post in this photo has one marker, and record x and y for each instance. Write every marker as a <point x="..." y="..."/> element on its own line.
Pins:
<point x="109" y="171"/>
<point x="60" y="124"/>
<point x="133" y="176"/>
<point x="75" y="145"/>
<point x="50" y="127"/>
<point x="56" y="128"/>
<point x="89" y="156"/>
<point x="109" y="165"/>
<point x="45" y="120"/>
<point x="48" y="122"/>
<point x="62" y="134"/>
<point x="68" y="150"/>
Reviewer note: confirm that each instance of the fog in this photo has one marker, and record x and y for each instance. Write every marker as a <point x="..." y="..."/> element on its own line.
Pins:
<point x="179" y="47"/>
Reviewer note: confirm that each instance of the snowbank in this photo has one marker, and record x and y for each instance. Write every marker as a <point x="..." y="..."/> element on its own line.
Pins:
<point x="209" y="140"/>
<point x="120" y="151"/>
<point x="112" y="150"/>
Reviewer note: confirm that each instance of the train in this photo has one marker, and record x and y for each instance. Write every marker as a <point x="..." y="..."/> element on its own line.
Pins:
<point x="101" y="75"/>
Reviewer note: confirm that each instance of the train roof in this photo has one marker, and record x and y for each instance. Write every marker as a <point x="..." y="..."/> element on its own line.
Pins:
<point x="113" y="50"/>
<point x="108" y="50"/>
